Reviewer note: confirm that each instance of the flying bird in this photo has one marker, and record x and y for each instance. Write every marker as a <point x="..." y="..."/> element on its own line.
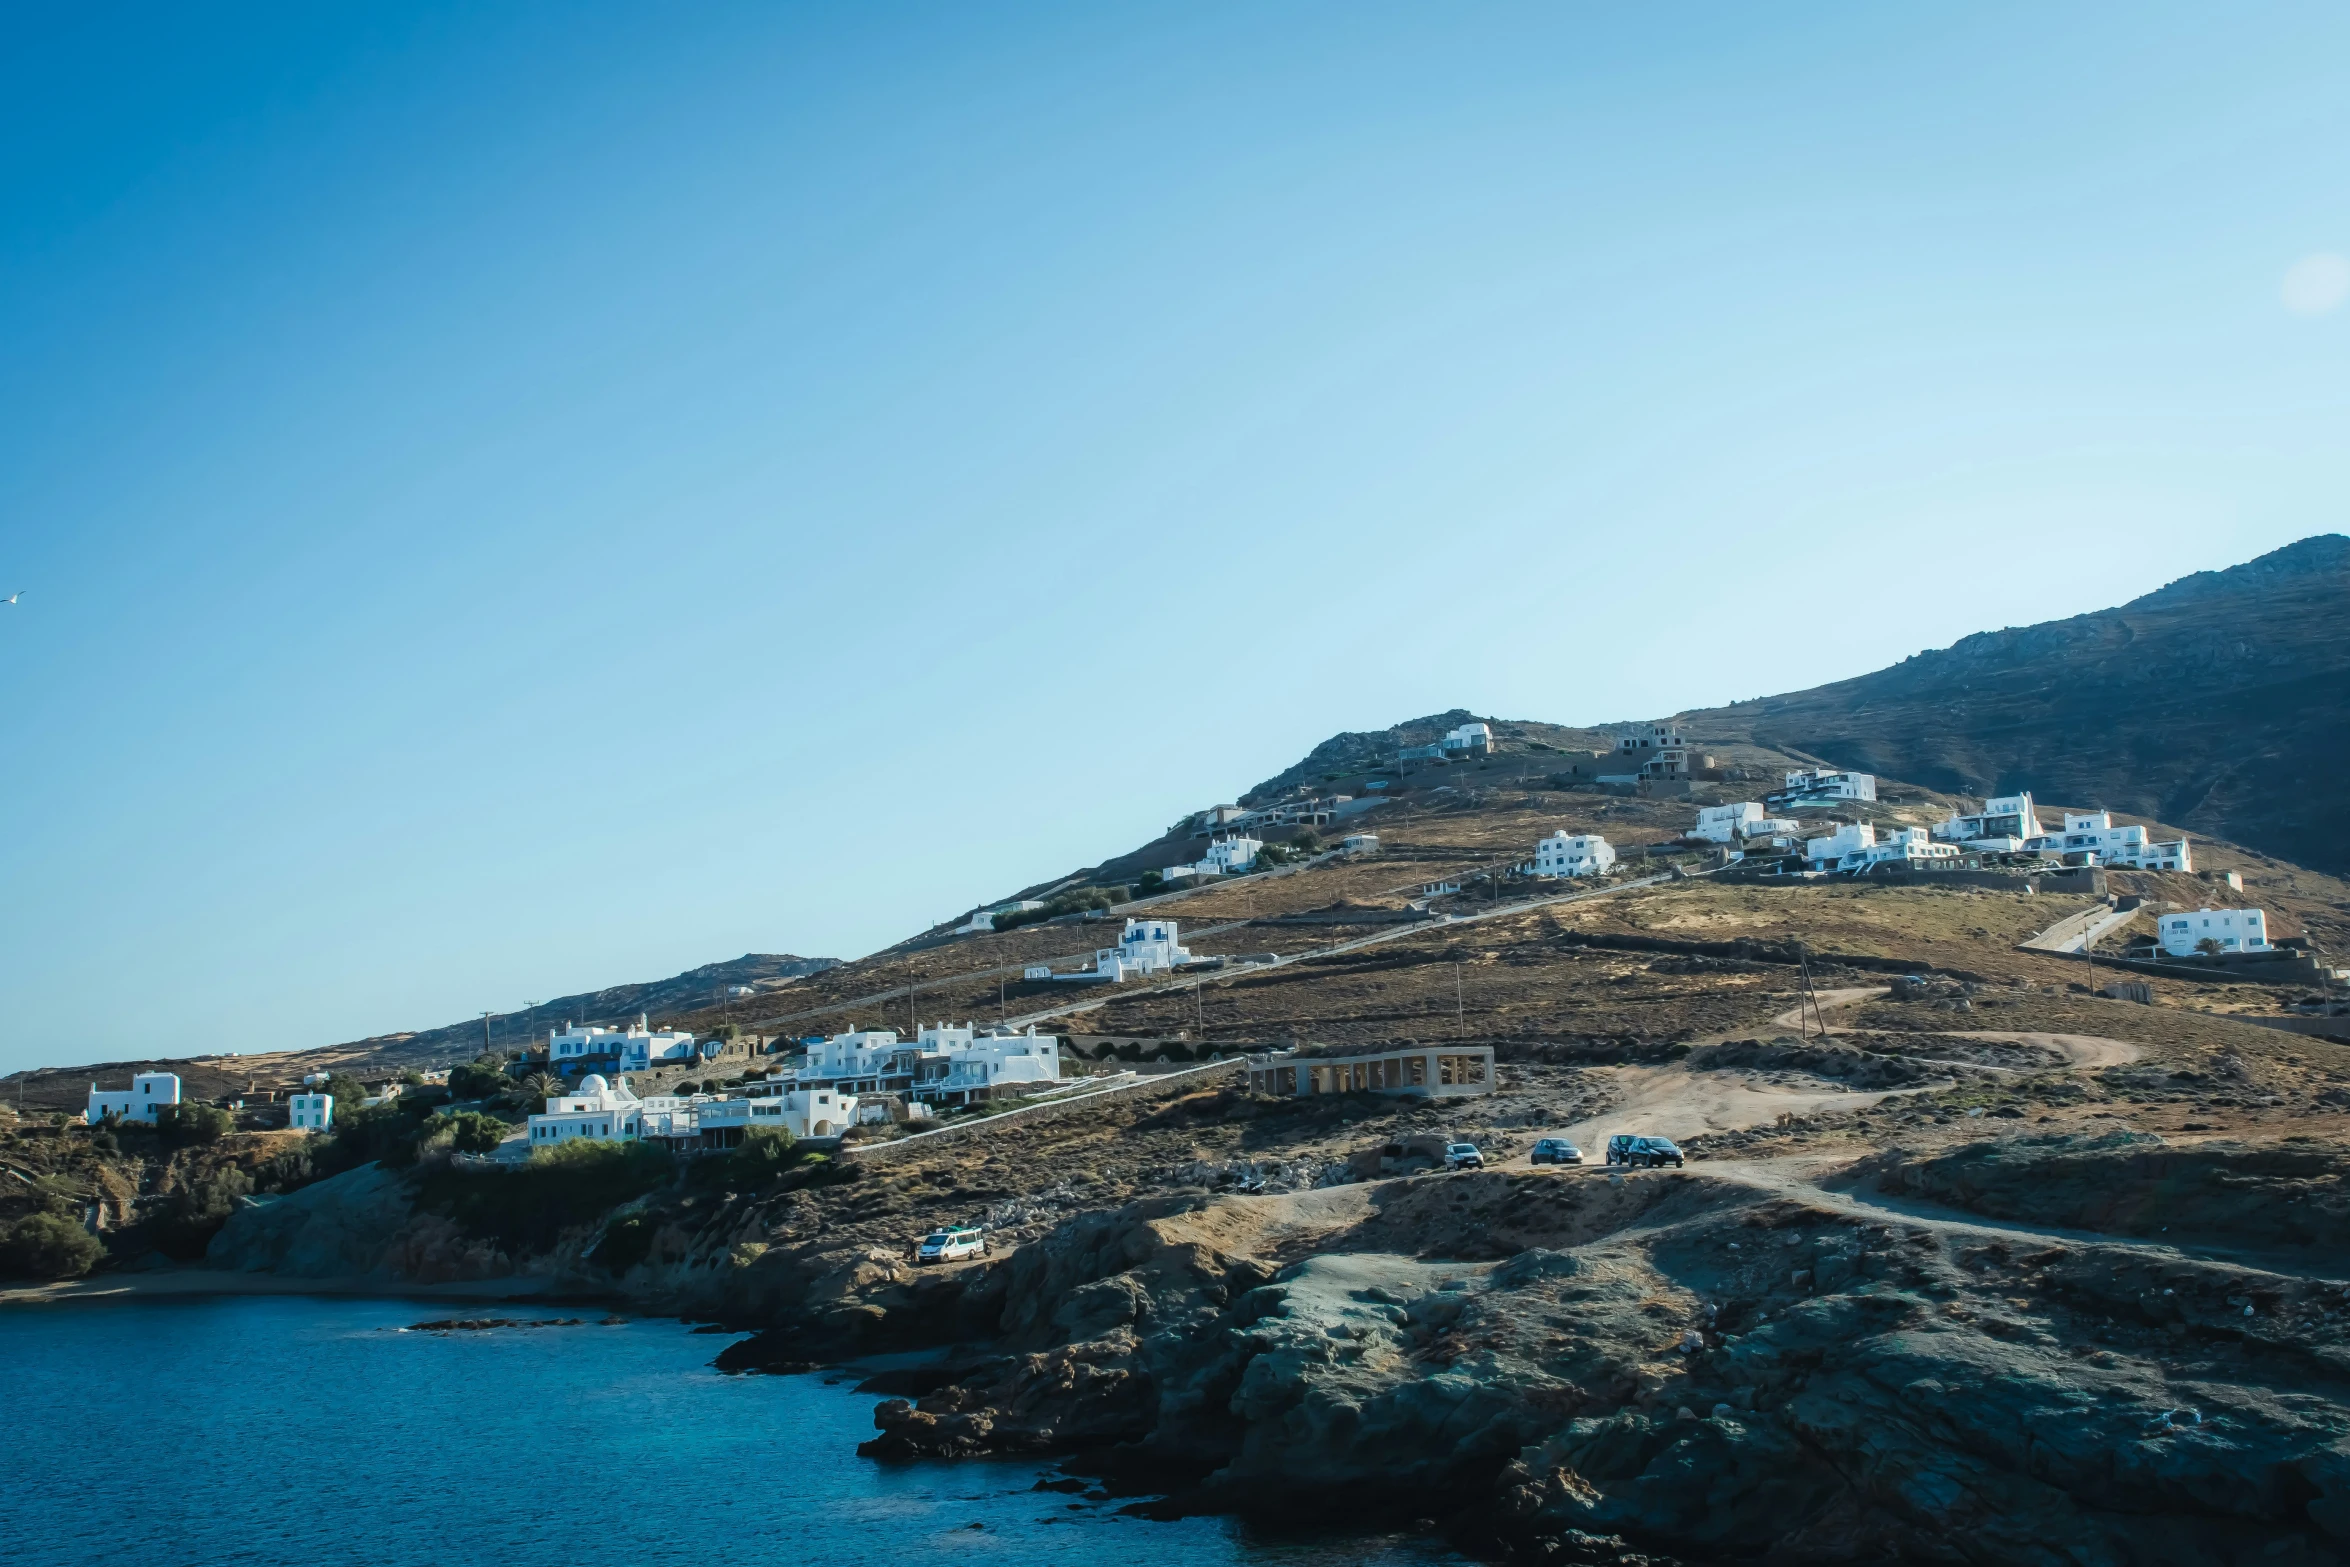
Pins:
<point x="13" y="597"/>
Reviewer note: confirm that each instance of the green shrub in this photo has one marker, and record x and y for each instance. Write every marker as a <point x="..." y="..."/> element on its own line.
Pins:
<point x="468" y="1131"/>
<point x="47" y="1246"/>
<point x="182" y="1124"/>
<point x="479" y="1078"/>
<point x="568" y="1185"/>
<point x="197" y="1210"/>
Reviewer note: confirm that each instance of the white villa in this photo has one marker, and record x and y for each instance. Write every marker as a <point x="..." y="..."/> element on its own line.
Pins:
<point x="1467" y="740"/>
<point x="1815" y="788"/>
<point x="2236" y="930"/>
<point x="310" y="1112"/>
<point x="1225" y="857"/>
<point x="1147" y="947"/>
<point x="149" y="1092"/>
<point x="2004" y="825"/>
<point x="1855" y="847"/>
<point x="612" y="1112"/>
<point x="984" y="920"/>
<point x="1573" y="854"/>
<point x="990" y="1061"/>
<point x="947" y="1063"/>
<point x="636" y="1048"/>
<point x="2091" y="838"/>
<point x="1736" y="823"/>
<point x="596" y="1111"/>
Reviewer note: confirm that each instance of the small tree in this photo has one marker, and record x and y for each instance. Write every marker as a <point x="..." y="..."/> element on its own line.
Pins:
<point x="2209" y="946"/>
<point x="542" y="1085"/>
<point x="192" y="1123"/>
<point x="47" y="1246"/>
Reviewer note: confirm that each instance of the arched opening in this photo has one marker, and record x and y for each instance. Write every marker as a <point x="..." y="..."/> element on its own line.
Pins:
<point x="821" y="1129"/>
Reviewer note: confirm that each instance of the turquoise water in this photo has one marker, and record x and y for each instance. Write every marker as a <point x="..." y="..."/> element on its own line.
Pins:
<point x="282" y="1430"/>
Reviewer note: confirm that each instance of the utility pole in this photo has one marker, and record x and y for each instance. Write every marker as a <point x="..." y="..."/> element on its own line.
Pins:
<point x="1460" y="1011"/>
<point x="487" y="1048"/>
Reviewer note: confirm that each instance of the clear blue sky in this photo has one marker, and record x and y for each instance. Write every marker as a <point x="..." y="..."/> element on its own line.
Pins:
<point x="512" y="499"/>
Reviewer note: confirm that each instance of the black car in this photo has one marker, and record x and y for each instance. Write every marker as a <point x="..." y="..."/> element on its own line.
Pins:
<point x="1642" y="1153"/>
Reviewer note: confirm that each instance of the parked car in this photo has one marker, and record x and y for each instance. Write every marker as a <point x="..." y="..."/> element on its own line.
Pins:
<point x="1642" y="1152"/>
<point x="956" y="1240"/>
<point x="1463" y="1156"/>
<point x="1557" y="1150"/>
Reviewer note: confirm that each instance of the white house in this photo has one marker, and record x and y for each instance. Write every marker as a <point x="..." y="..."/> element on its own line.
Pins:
<point x="984" y="920"/>
<point x="1735" y="823"/>
<point x="988" y="1062"/>
<point x="2004" y="825"/>
<point x="803" y="1112"/>
<point x="2236" y="930"/>
<point x="1144" y="947"/>
<point x="1573" y="854"/>
<point x="1361" y="843"/>
<point x="1468" y="740"/>
<point x="149" y="1092"/>
<point x="1854" y="846"/>
<point x="595" y="1111"/>
<point x="1809" y="788"/>
<point x="1225" y="857"/>
<point x="2091" y="838"/>
<point x="310" y="1112"/>
<point x="865" y="1059"/>
<point x="636" y="1048"/>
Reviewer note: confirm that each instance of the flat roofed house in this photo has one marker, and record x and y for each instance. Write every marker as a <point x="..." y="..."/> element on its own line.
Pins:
<point x="1727" y="823"/>
<point x="310" y="1112"/>
<point x="2005" y="824"/>
<point x="2233" y="930"/>
<point x="596" y="1111"/>
<point x="1573" y="854"/>
<point x="637" y="1048"/>
<point x="148" y="1093"/>
<point x="991" y="1065"/>
<point x="1432" y="1071"/>
<point x="2091" y="838"/>
<point x="1814" y="788"/>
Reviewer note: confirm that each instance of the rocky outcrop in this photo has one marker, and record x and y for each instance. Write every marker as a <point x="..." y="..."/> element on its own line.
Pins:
<point x="1691" y="1365"/>
<point x="346" y="1226"/>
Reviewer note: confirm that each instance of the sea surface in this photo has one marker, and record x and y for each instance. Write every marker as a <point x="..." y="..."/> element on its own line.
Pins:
<point x="289" y="1430"/>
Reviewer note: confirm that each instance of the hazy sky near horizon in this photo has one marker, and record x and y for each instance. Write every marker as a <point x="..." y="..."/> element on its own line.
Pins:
<point x="513" y="499"/>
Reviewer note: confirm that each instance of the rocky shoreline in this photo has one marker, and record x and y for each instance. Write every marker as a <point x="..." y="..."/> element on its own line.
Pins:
<point x="2046" y="1346"/>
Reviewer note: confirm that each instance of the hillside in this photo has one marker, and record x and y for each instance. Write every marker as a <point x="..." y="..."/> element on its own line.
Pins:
<point x="2220" y="704"/>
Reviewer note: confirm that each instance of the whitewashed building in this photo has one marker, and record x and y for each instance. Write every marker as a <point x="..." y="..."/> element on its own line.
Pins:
<point x="989" y="1064"/>
<point x="1468" y="739"/>
<point x="803" y="1112"/>
<point x="1573" y="854"/>
<point x="637" y="1048"/>
<point x="985" y="919"/>
<point x="1855" y="847"/>
<point x="1145" y="947"/>
<point x="1736" y="823"/>
<point x="2005" y="825"/>
<point x="1225" y="857"/>
<point x="2091" y="838"/>
<point x="595" y="1111"/>
<point x="310" y="1112"/>
<point x="2236" y="930"/>
<point x="148" y="1093"/>
<point x="1814" y="788"/>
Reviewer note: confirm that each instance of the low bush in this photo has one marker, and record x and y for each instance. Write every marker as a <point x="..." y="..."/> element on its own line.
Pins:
<point x="562" y="1187"/>
<point x="47" y="1246"/>
<point x="182" y="1124"/>
<point x="468" y="1131"/>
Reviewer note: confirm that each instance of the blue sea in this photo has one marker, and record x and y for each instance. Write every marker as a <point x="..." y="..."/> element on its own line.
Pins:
<point x="288" y="1430"/>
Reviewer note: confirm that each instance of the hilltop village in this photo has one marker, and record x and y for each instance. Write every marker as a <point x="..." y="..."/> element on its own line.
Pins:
<point x="1494" y="1104"/>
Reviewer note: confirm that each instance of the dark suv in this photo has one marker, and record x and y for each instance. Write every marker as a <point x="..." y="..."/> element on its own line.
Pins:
<point x="1644" y="1153"/>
